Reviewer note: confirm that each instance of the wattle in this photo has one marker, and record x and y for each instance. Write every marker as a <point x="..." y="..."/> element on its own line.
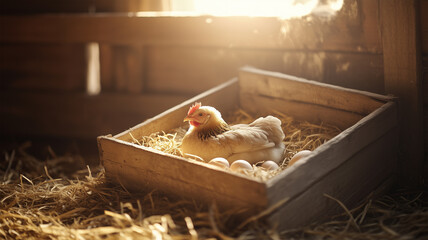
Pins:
<point x="194" y="123"/>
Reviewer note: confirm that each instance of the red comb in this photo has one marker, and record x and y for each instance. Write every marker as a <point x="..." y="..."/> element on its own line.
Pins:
<point x="193" y="108"/>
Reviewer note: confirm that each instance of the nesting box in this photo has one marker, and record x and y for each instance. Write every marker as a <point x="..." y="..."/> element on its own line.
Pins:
<point x="359" y="160"/>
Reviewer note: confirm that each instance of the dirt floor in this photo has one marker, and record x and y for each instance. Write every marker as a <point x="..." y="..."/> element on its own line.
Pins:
<point x="50" y="192"/>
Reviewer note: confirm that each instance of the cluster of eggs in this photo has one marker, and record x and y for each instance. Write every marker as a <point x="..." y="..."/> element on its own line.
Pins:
<point x="241" y="166"/>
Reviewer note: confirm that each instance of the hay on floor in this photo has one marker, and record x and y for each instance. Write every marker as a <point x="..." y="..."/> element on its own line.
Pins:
<point x="36" y="203"/>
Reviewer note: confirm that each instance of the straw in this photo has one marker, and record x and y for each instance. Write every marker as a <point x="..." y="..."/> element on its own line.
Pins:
<point x="299" y="135"/>
<point x="35" y="203"/>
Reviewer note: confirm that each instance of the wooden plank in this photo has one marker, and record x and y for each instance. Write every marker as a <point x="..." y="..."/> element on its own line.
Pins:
<point x="144" y="168"/>
<point x="343" y="33"/>
<point x="223" y="97"/>
<point x="423" y="23"/>
<point x="355" y="71"/>
<point x="122" y="68"/>
<point x="425" y="108"/>
<point x="77" y="114"/>
<point x="425" y="79"/>
<point x="188" y="69"/>
<point x="128" y="68"/>
<point x="350" y="70"/>
<point x="316" y="114"/>
<point x="44" y="6"/>
<point x="349" y="183"/>
<point x="333" y="154"/>
<point x="76" y="6"/>
<point x="172" y="68"/>
<point x="57" y="67"/>
<point x="291" y="88"/>
<point x="402" y="59"/>
<point x="130" y="178"/>
<point x="106" y="67"/>
<point x="426" y="133"/>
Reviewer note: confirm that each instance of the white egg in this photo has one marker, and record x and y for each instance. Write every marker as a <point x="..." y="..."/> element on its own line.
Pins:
<point x="219" y="162"/>
<point x="298" y="156"/>
<point x="241" y="166"/>
<point x="270" y="165"/>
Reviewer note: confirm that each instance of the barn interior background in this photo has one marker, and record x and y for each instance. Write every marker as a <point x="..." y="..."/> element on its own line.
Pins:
<point x="73" y="70"/>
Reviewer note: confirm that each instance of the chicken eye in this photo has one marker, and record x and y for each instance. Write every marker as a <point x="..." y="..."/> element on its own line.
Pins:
<point x="201" y="114"/>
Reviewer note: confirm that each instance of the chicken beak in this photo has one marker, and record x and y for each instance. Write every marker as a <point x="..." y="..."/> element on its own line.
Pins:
<point x="188" y="119"/>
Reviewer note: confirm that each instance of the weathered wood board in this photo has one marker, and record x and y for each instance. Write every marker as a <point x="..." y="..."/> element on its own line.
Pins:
<point x="78" y="6"/>
<point x="122" y="68"/>
<point x="348" y="167"/>
<point x="215" y="64"/>
<point x="423" y="23"/>
<point x="77" y="114"/>
<point x="402" y="71"/>
<point x="42" y="67"/>
<point x="354" y="33"/>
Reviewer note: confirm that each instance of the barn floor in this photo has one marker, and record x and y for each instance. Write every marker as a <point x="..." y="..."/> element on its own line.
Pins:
<point x="48" y="192"/>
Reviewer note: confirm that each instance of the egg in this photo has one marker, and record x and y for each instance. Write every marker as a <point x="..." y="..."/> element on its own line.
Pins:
<point x="241" y="166"/>
<point x="298" y="156"/>
<point x="270" y="165"/>
<point x="219" y="162"/>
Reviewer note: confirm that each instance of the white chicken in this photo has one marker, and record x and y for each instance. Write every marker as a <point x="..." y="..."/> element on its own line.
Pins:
<point x="209" y="136"/>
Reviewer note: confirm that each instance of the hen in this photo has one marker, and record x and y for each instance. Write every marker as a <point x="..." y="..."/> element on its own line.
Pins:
<point x="209" y="136"/>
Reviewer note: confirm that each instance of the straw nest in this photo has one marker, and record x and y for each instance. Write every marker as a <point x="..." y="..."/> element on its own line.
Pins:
<point x="299" y="135"/>
<point x="51" y="200"/>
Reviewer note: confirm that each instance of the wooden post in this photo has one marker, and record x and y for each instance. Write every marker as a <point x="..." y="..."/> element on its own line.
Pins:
<point x="402" y="72"/>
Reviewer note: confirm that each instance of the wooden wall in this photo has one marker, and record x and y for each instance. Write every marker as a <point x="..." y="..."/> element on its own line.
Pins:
<point x="152" y="63"/>
<point x="423" y="16"/>
<point x="21" y="7"/>
<point x="149" y="64"/>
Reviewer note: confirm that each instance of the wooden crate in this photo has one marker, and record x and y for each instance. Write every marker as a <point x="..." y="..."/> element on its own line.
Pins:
<point x="361" y="159"/>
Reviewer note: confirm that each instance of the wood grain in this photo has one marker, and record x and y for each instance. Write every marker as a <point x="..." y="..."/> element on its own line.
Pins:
<point x="426" y="133"/>
<point x="291" y="88"/>
<point x="188" y="69"/>
<point x="402" y="70"/>
<point x="156" y="170"/>
<point x="423" y="24"/>
<point x="77" y="114"/>
<point x="343" y="33"/>
<point x="106" y="68"/>
<point x="46" y="67"/>
<point x="300" y="111"/>
<point x="355" y="71"/>
<point x="77" y="6"/>
<point x="425" y="79"/>
<point x="360" y="175"/>
<point x="425" y="109"/>
<point x="122" y="68"/>
<point x="333" y="154"/>
<point x="173" y="68"/>
<point x="128" y="68"/>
